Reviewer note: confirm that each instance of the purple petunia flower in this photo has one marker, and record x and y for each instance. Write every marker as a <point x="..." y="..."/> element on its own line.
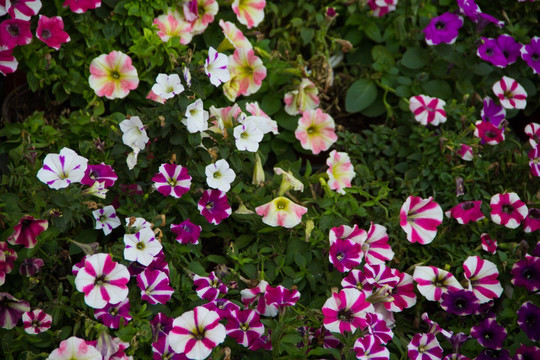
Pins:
<point x="154" y="285"/>
<point x="11" y="310"/>
<point x="31" y="266"/>
<point x="424" y="347"/>
<point x="443" y="29"/>
<point x="530" y="53"/>
<point x="470" y="9"/>
<point x="526" y="273"/>
<point x="460" y="302"/>
<point x="172" y="180"/>
<point x="345" y="254"/>
<point x="51" y="31"/>
<point x="489" y="334"/>
<point x="214" y="206"/>
<point x="161" y="325"/>
<point x="244" y="326"/>
<point x="491" y="354"/>
<point x="489" y="51"/>
<point x="529" y="320"/>
<point x="532" y="222"/>
<point x="187" y="232"/>
<point x="527" y="353"/>
<point x="510" y="48"/>
<point x="26" y="231"/>
<point x="493" y="113"/>
<point x="111" y="315"/>
<point x="100" y="173"/>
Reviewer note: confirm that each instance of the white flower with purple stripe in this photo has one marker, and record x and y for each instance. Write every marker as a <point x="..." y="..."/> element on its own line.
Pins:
<point x="37" y="321"/>
<point x="370" y="348"/>
<point x="424" y="347"/>
<point x="420" y="218"/>
<point x="482" y="277"/>
<point x="346" y="311"/>
<point x="154" y="285"/>
<point x="60" y="170"/>
<point x="209" y="287"/>
<point x="249" y="296"/>
<point x="432" y="282"/>
<point x="244" y="326"/>
<point x="106" y="219"/>
<point x="141" y="247"/>
<point x="172" y="180"/>
<point x="215" y="67"/>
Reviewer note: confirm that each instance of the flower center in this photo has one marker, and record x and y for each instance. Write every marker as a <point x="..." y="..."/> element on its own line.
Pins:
<point x="467" y="205"/>
<point x="490" y="134"/>
<point x="460" y="303"/>
<point x="535" y="57"/>
<point x="100" y="280"/>
<point x="244" y="327"/>
<point x="140" y="246"/>
<point x="244" y="135"/>
<point x="102" y="218"/>
<point x="507" y="208"/>
<point x="113" y="311"/>
<point x="115" y="74"/>
<point x="310" y="130"/>
<point x="422" y="348"/>
<point x="439" y="25"/>
<point x="198" y="334"/>
<point x="217" y="175"/>
<point x="281" y="204"/>
<point x="172" y="182"/>
<point x="46" y="34"/>
<point x="344" y="315"/>
<point x="210" y="205"/>
<point x="488" y="336"/>
<point x="508" y="94"/>
<point x="13" y="30"/>
<point x="530" y="320"/>
<point x="340" y="256"/>
<point x="489" y="51"/>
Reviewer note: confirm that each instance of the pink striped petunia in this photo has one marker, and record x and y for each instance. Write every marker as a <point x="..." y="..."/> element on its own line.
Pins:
<point x="280" y="296"/>
<point x="370" y="348"/>
<point x="112" y="314"/>
<point x="172" y="180"/>
<point x="196" y="333"/>
<point x="420" y="218"/>
<point x="113" y="75"/>
<point x="256" y="294"/>
<point x="154" y="285"/>
<point x="36" y="321"/>
<point x="510" y="93"/>
<point x="244" y="326"/>
<point x="8" y="62"/>
<point x="376" y="248"/>
<point x="234" y="35"/>
<point x="378" y="329"/>
<point x="22" y="9"/>
<point x="533" y="132"/>
<point x="432" y="282"/>
<point x="26" y="231"/>
<point x="209" y="287"/>
<point x="424" y="347"/>
<point x="482" y="277"/>
<point x="346" y="311"/>
<point x="402" y="295"/>
<point x="466" y="212"/>
<point x="356" y="279"/>
<point x="508" y="210"/>
<point x="316" y="131"/>
<point x="247" y="74"/>
<point x="427" y="110"/>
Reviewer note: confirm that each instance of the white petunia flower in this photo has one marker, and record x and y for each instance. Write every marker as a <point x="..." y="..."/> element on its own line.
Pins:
<point x="167" y="86"/>
<point x="219" y="175"/>
<point x="131" y="159"/>
<point x="215" y="67"/>
<point x="60" y="170"/>
<point x="134" y="133"/>
<point x="196" y="119"/>
<point x="106" y="219"/>
<point x="141" y="247"/>
<point x="247" y="136"/>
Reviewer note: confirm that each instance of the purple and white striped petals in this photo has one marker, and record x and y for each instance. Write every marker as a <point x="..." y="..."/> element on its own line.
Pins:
<point x="428" y="110"/>
<point x="434" y="328"/>
<point x="172" y="180"/>
<point x="489" y="334"/>
<point x="488" y="244"/>
<point x="510" y="93"/>
<point x="162" y="350"/>
<point x="244" y="326"/>
<point x="357" y="280"/>
<point x="465" y="152"/>
<point x="345" y="254"/>
<point x="482" y="277"/>
<point x="534" y="161"/>
<point x="154" y="285"/>
<point x="378" y="329"/>
<point x="60" y="170"/>
<point x="26" y="231"/>
<point x="102" y="280"/>
<point x="112" y="314"/>
<point x="533" y="132"/>
<point x="222" y="306"/>
<point x="75" y="348"/>
<point x="22" y="9"/>
<point x="281" y="296"/>
<point x="215" y="67"/>
<point x="508" y="210"/>
<point x="161" y="325"/>
<point x="376" y="248"/>
<point x="346" y="311"/>
<point x="466" y="212"/>
<point x="214" y="206"/>
<point x="196" y="333"/>
<point x="380" y="275"/>
<point x="249" y="296"/>
<point x="187" y="232"/>
<point x="424" y="347"/>
<point x="30" y="266"/>
<point x="370" y="348"/>
<point x="420" y="218"/>
<point x="37" y="321"/>
<point x="99" y="173"/>
<point x="141" y="247"/>
<point x="106" y="219"/>
<point x="432" y="282"/>
<point x="355" y="234"/>
<point x="402" y="295"/>
<point x="209" y="288"/>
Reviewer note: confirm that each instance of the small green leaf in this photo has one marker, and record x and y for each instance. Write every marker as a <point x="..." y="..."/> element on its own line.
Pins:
<point x="360" y="95"/>
<point x="415" y="58"/>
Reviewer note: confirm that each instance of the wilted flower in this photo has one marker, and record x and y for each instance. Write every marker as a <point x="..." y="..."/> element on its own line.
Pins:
<point x="60" y="170"/>
<point x="31" y="266"/>
<point x="443" y="29"/>
<point x="466" y="212"/>
<point x="11" y="310"/>
<point x="26" y="231"/>
<point x="249" y="296"/>
<point x="281" y="212"/>
<point x="281" y="297"/>
<point x="302" y="99"/>
<point x="113" y="75"/>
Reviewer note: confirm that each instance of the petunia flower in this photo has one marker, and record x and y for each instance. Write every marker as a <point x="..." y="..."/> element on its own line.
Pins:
<point x="162" y="349"/>
<point x="434" y="328"/>
<point x="465" y="152"/>
<point x="470" y="9"/>
<point x="112" y="75"/>
<point x="401" y="295"/>
<point x="60" y="170"/>
<point x="222" y="306"/>
<point x="527" y="352"/>
<point x="526" y="273"/>
<point x="36" y="321"/>
<point x="340" y="171"/>
<point x="346" y="311"/>
<point x="443" y="29"/>
<point x="209" y="287"/>
<point x="488" y="244"/>
<point x="428" y="110"/>
<point x="247" y="137"/>
<point x="247" y="73"/>
<point x="102" y="280"/>
<point x="196" y="333"/>
<point x="420" y="218"/>
<point x="11" y="310"/>
<point x="533" y="132"/>
<point x="510" y="93"/>
<point x="51" y="31"/>
<point x="31" y="266"/>
<point x="167" y="86"/>
<point x="534" y="160"/>
<point x="173" y="180"/>
<point x="530" y="53"/>
<point x="141" y="247"/>
<point x="424" y="347"/>
<point x="249" y="12"/>
<point x="26" y="231"/>
<point x="233" y="35"/>
<point x="370" y="347"/>
<point x="488" y="133"/>
<point x="113" y="314"/>
<point x="489" y="51"/>
<point x="466" y="212"/>
<point x="99" y="173"/>
<point x="219" y="175"/>
<point x="532" y="221"/>
<point x="201" y="14"/>
<point x="244" y="326"/>
<point x="492" y="354"/>
<point x="280" y="296"/>
<point x="262" y="121"/>
<point x="380" y="8"/>
<point x="22" y="9"/>
<point x="510" y="48"/>
<point x="288" y="181"/>
<point x="492" y="112"/>
<point x="432" y="282"/>
<point x="489" y="334"/>
<point x="215" y="66"/>
<point x="256" y="294"/>
<point x="81" y="6"/>
<point x="214" y="206"/>
<point x="154" y="285"/>
<point x="75" y="348"/>
<point x="281" y="212"/>
<point x="15" y="32"/>
<point x="529" y="320"/>
<point x="7" y="260"/>
<point x="8" y="62"/>
<point x="345" y="254"/>
<point x="134" y="135"/>
<point x="378" y="329"/>
<point x="196" y="118"/>
<point x="187" y="232"/>
<point x="172" y="24"/>
<point x="508" y="210"/>
<point x="305" y="97"/>
<point x="460" y="302"/>
<point x="316" y="131"/>
<point x="106" y="219"/>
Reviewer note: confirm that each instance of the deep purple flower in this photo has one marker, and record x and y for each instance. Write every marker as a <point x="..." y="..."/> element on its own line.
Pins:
<point x="530" y="53"/>
<point x="527" y="353"/>
<point x="489" y="334"/>
<point x="493" y="113"/>
<point x="325" y="338"/>
<point x="526" y="273"/>
<point x="510" y="48"/>
<point x="491" y="354"/>
<point x="443" y="29"/>
<point x="345" y="254"/>
<point x="457" y="341"/>
<point x="532" y="223"/>
<point x="161" y="325"/>
<point x="100" y="173"/>
<point x="30" y="266"/>
<point x="11" y="310"/>
<point x="460" y="302"/>
<point x="26" y="231"/>
<point x="489" y="51"/>
<point x="214" y="206"/>
<point x="187" y="232"/>
<point x="529" y="320"/>
<point x="111" y="315"/>
<point x="470" y="9"/>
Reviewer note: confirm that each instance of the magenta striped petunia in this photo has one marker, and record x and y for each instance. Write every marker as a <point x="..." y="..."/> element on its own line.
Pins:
<point x="196" y="333"/>
<point x="420" y="218"/>
<point x="345" y="254"/>
<point x="99" y="173"/>
<point x="510" y="93"/>
<point x="112" y="314"/>
<point x="376" y="248"/>
<point x="424" y="347"/>
<point x="36" y="321"/>
<point x="81" y="6"/>
<point x="432" y="282"/>
<point x="402" y="295"/>
<point x="466" y="212"/>
<point x="427" y="110"/>
<point x="214" y="206"/>
<point x="172" y="180"/>
<point x="532" y="222"/>
<point x="256" y="294"/>
<point x="378" y="329"/>
<point x="209" y="287"/>
<point x="533" y="132"/>
<point x="244" y="326"/>
<point x="534" y="161"/>
<point x="355" y="234"/>
<point x="14" y="32"/>
<point x="22" y="9"/>
<point x="222" y="306"/>
<point x="508" y="210"/>
<point x="102" y="280"/>
<point x="154" y="285"/>
<point x="482" y="277"/>
<point x="346" y="311"/>
<point x="281" y="296"/>
<point x="187" y="232"/>
<point x="162" y="349"/>
<point x="356" y="279"/>
<point x="370" y="348"/>
<point x="26" y="231"/>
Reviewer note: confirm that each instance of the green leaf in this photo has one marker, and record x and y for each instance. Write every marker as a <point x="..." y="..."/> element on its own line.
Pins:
<point x="438" y="88"/>
<point x="415" y="58"/>
<point x="360" y="95"/>
<point x="307" y="35"/>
